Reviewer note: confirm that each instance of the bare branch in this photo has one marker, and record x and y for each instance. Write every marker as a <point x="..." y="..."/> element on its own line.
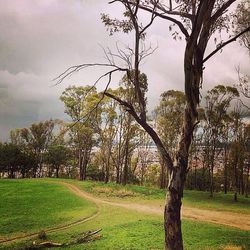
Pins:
<point x="129" y="108"/>
<point x="147" y="52"/>
<point x="153" y="16"/>
<point x="170" y="5"/>
<point x="226" y="43"/>
<point x="86" y="117"/>
<point x="174" y="13"/>
<point x="178" y="23"/>
<point x="73" y="69"/>
<point x="222" y="9"/>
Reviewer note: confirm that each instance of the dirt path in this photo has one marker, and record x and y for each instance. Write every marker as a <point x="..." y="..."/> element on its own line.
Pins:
<point x="241" y="221"/>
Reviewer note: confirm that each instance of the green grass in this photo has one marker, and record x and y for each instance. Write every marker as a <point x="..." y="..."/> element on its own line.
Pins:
<point x="136" y="231"/>
<point x="121" y="228"/>
<point x="220" y="201"/>
<point x="31" y="205"/>
<point x="129" y="230"/>
<point x="198" y="199"/>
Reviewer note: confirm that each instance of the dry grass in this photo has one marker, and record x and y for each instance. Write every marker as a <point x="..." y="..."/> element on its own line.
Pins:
<point x="231" y="247"/>
<point x="108" y="191"/>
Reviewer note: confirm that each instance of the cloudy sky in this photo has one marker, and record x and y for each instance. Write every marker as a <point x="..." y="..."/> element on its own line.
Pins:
<point x="41" y="38"/>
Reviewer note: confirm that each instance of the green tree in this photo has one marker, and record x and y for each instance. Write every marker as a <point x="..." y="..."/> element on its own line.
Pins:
<point x="35" y="139"/>
<point x="11" y="159"/>
<point x="80" y="103"/>
<point x="107" y="129"/>
<point x="56" y="157"/>
<point x="217" y="103"/>
<point x="238" y="156"/>
<point x="242" y="21"/>
<point x="169" y="117"/>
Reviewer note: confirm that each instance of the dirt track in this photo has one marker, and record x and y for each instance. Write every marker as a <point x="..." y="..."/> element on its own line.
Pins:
<point x="241" y="221"/>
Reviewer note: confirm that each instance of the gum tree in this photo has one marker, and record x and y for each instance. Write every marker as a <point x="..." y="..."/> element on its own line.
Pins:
<point x="78" y="102"/>
<point x="218" y="101"/>
<point x="197" y="21"/>
<point x="169" y="117"/>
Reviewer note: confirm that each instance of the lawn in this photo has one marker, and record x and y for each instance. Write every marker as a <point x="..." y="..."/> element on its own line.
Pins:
<point x="121" y="228"/>
<point x="31" y="205"/>
<point x="129" y="230"/>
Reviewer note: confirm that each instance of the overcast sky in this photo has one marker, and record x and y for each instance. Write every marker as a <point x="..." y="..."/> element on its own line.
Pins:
<point x="39" y="39"/>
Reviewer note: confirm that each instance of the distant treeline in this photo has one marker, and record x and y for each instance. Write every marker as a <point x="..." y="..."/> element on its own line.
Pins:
<point x="103" y="142"/>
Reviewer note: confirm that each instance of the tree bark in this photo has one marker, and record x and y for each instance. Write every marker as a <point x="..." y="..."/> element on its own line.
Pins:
<point x="225" y="179"/>
<point x="57" y="171"/>
<point x="172" y="214"/>
<point x="80" y="165"/>
<point x="163" y="177"/>
<point x="125" y="170"/>
<point x="247" y="181"/>
<point x="225" y="170"/>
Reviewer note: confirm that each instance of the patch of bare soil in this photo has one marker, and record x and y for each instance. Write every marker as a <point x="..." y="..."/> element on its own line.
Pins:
<point x="241" y="221"/>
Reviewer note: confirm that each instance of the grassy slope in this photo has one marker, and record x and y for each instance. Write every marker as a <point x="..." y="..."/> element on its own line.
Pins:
<point x="126" y="229"/>
<point x="129" y="230"/>
<point x="30" y="205"/>
<point x="197" y="199"/>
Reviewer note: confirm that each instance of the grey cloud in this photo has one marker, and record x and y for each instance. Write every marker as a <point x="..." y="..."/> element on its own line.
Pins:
<point x="17" y="114"/>
<point x="46" y="34"/>
<point x="41" y="38"/>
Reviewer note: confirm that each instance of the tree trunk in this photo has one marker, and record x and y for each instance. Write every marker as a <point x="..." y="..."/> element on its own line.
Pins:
<point x="212" y="166"/>
<point x="225" y="178"/>
<point x="172" y="213"/>
<point x="118" y="174"/>
<point x="235" y="196"/>
<point x="242" y="186"/>
<point x="57" y="171"/>
<point x="80" y="165"/>
<point x="211" y="189"/>
<point x="235" y="163"/>
<point x="163" y="177"/>
<point x="11" y="173"/>
<point x="107" y="172"/>
<point x="225" y="170"/>
<point x="247" y="182"/>
<point x="34" y="171"/>
<point x="143" y="167"/>
<point x="125" y="170"/>
<point x="195" y="172"/>
<point x="85" y="162"/>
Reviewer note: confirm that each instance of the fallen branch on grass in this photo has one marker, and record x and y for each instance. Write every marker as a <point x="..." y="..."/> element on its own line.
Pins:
<point x="81" y="238"/>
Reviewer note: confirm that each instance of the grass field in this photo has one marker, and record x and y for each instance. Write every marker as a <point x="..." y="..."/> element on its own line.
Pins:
<point x="124" y="229"/>
<point x="198" y="199"/>
<point x="121" y="228"/>
<point x="32" y="205"/>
